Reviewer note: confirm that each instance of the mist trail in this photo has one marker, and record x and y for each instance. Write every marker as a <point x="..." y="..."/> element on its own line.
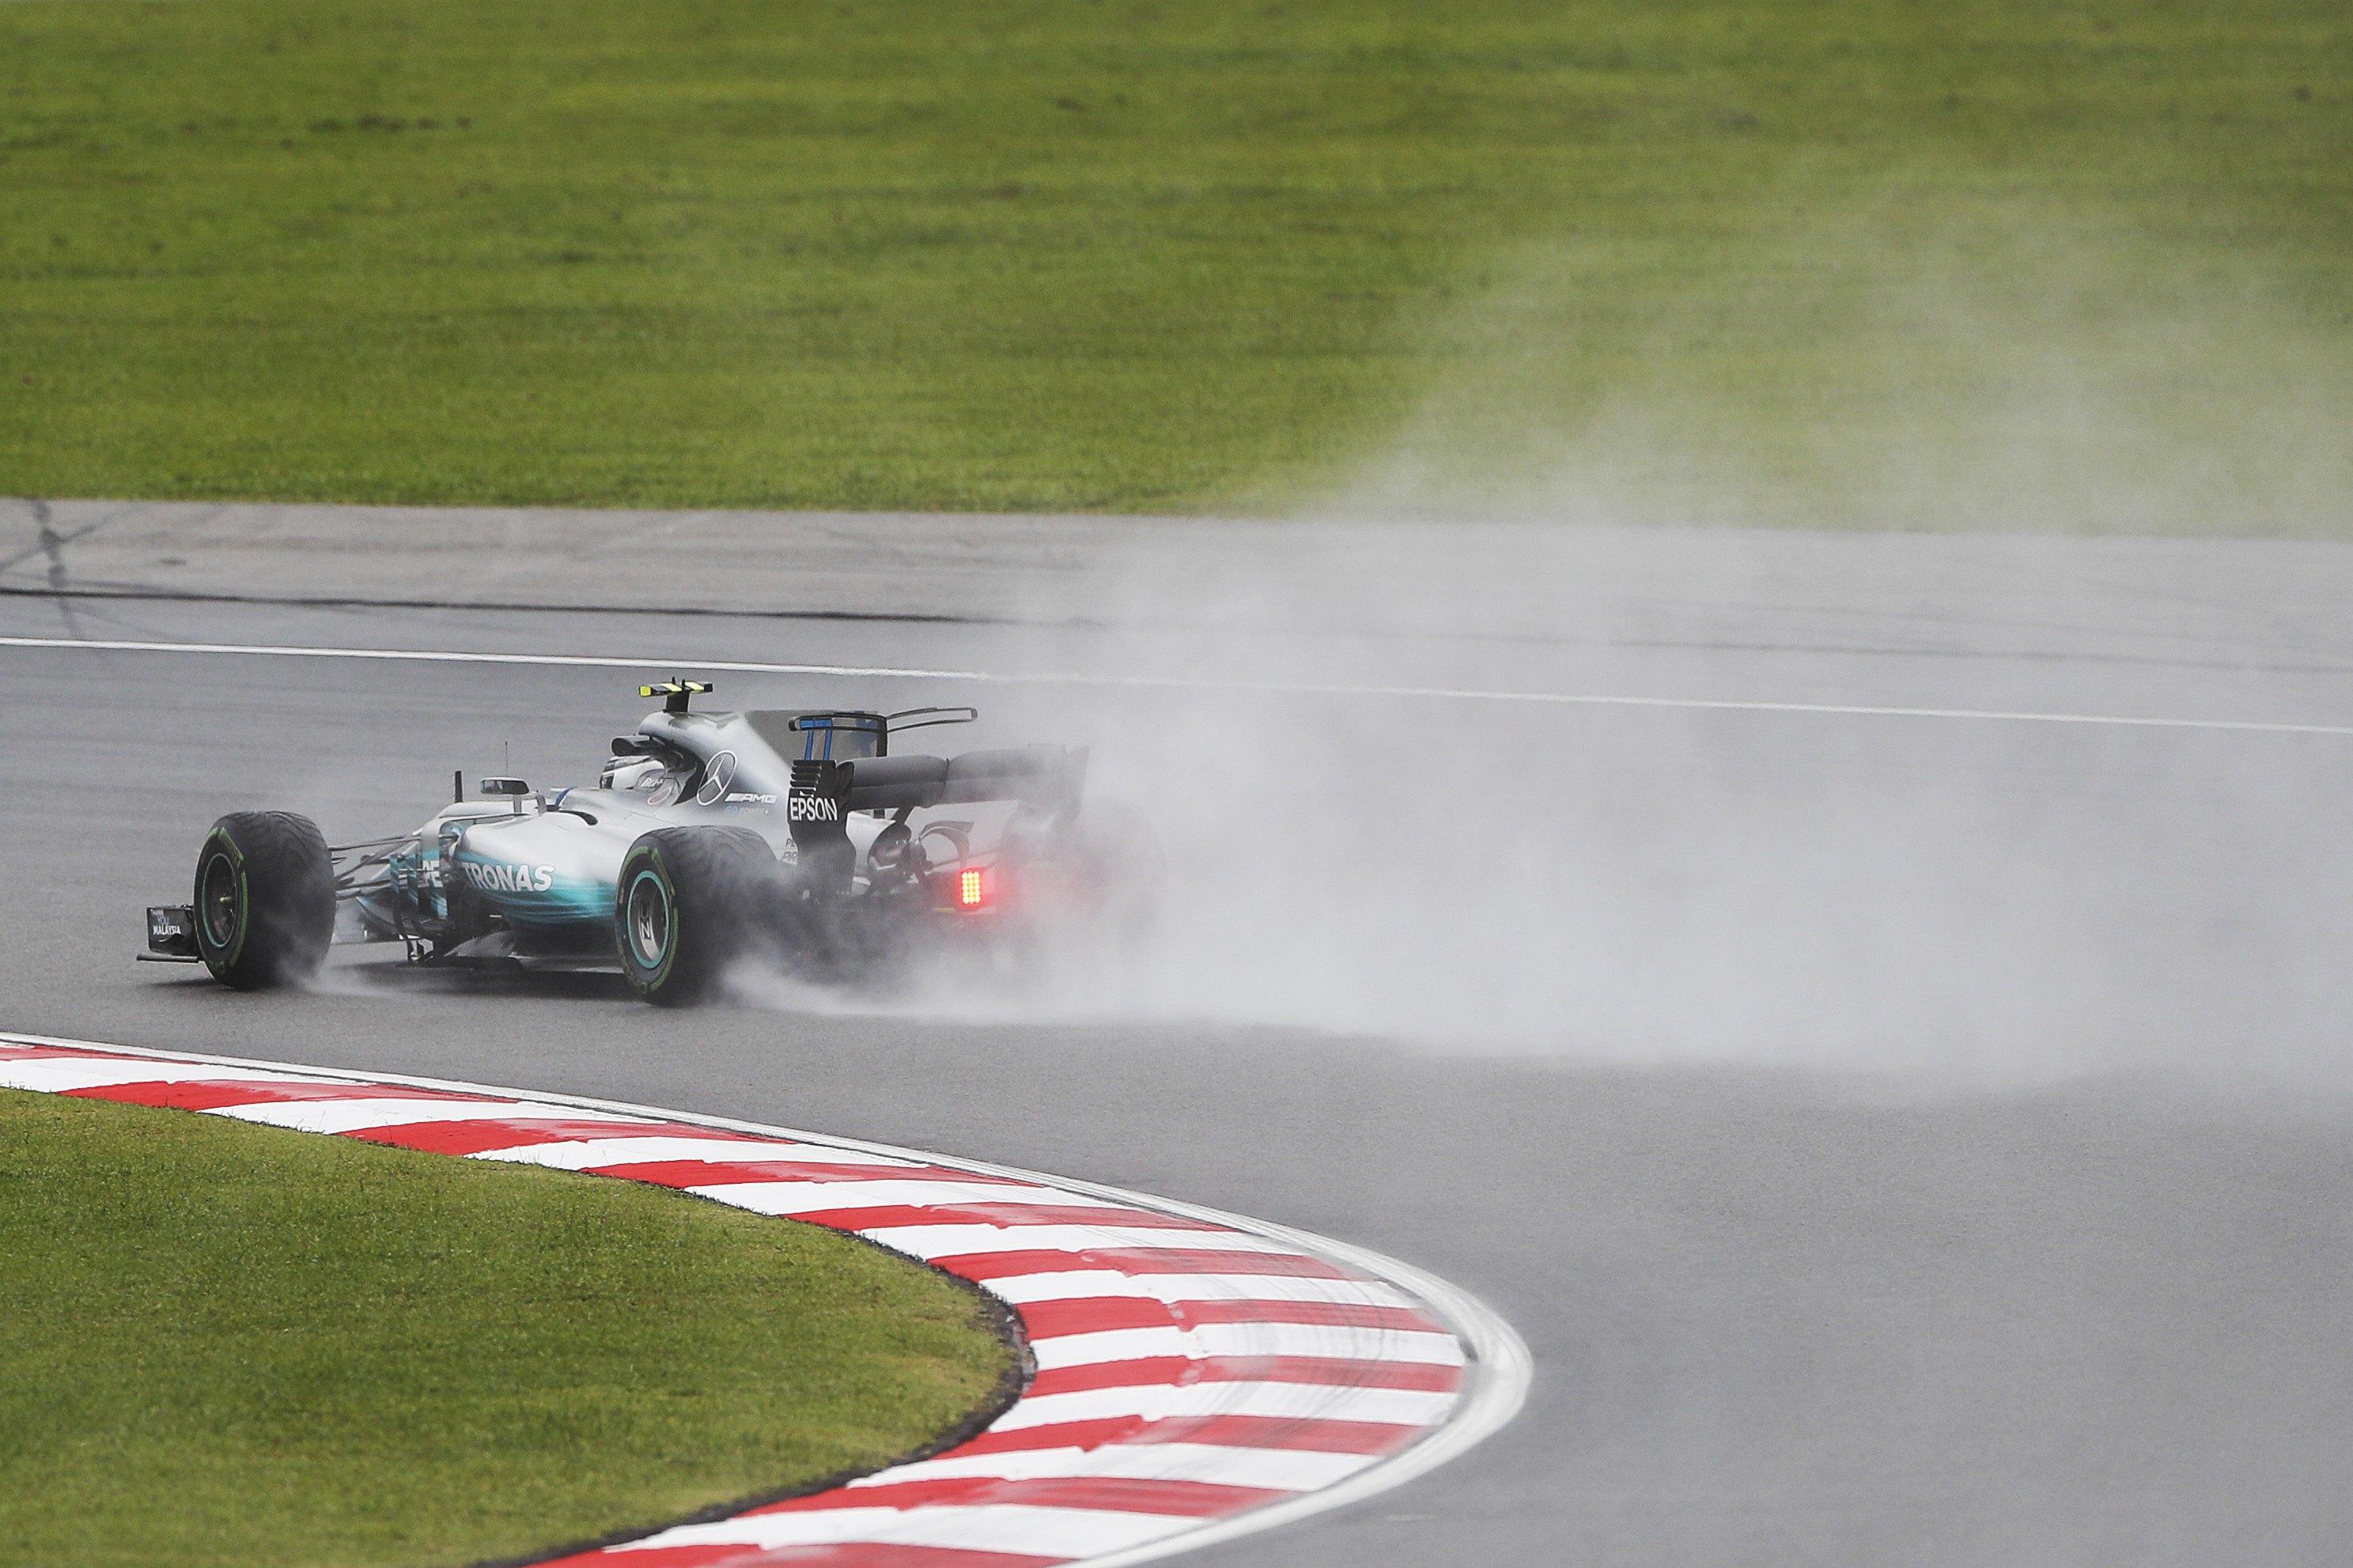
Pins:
<point x="1976" y="903"/>
<point x="1968" y="902"/>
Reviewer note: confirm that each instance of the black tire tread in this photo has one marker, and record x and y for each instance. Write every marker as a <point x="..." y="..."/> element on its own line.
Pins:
<point x="290" y="886"/>
<point x="715" y="878"/>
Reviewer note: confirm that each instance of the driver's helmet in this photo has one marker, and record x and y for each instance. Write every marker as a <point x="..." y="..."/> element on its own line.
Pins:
<point x="633" y="772"/>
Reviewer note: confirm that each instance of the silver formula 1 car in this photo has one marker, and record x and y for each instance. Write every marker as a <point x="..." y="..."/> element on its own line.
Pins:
<point x="712" y="839"/>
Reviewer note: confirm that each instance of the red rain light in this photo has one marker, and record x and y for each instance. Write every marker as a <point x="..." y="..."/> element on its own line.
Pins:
<point x="971" y="890"/>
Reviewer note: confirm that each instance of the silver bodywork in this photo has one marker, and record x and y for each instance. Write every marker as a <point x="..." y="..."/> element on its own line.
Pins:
<point x="534" y="874"/>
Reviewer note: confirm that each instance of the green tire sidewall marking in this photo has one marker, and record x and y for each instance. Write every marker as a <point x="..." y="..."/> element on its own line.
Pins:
<point x="221" y="845"/>
<point x="650" y="865"/>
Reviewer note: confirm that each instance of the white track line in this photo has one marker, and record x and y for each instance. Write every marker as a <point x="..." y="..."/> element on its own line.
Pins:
<point x="1182" y="683"/>
<point x="1491" y="1395"/>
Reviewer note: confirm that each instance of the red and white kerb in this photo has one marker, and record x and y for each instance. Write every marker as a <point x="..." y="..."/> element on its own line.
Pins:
<point x="1190" y="1370"/>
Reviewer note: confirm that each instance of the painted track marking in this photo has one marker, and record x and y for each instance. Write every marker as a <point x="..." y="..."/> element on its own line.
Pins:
<point x="1201" y="1375"/>
<point x="1184" y="683"/>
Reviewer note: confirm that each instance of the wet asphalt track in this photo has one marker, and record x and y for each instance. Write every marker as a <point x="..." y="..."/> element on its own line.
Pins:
<point x="1777" y="1316"/>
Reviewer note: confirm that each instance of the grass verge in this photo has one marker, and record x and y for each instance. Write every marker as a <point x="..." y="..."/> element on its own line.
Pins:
<point x="237" y="1346"/>
<point x="1814" y="259"/>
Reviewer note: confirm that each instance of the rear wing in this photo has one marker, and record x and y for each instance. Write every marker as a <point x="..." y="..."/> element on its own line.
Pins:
<point x="1047" y="777"/>
<point x="825" y="792"/>
<point x="847" y="734"/>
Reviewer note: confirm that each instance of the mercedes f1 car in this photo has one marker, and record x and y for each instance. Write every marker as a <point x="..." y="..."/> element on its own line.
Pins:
<point x="798" y="839"/>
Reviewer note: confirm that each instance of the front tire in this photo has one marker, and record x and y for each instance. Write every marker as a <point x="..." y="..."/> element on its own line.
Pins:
<point x="265" y="899"/>
<point x="687" y="907"/>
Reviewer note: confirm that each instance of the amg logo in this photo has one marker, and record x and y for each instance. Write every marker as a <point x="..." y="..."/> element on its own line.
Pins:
<point x="812" y="808"/>
<point x="510" y="878"/>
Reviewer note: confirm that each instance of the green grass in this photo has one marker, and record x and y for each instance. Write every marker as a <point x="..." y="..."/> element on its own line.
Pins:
<point x="237" y="1346"/>
<point x="1838" y="260"/>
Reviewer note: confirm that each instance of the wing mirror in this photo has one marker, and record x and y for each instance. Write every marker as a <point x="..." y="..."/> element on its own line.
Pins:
<point x="510" y="789"/>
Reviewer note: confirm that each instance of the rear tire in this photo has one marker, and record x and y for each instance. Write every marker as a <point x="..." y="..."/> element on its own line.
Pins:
<point x="689" y="903"/>
<point x="265" y="899"/>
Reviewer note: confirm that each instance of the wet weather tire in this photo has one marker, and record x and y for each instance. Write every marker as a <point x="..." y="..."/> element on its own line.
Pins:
<point x="689" y="903"/>
<point x="265" y="899"/>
